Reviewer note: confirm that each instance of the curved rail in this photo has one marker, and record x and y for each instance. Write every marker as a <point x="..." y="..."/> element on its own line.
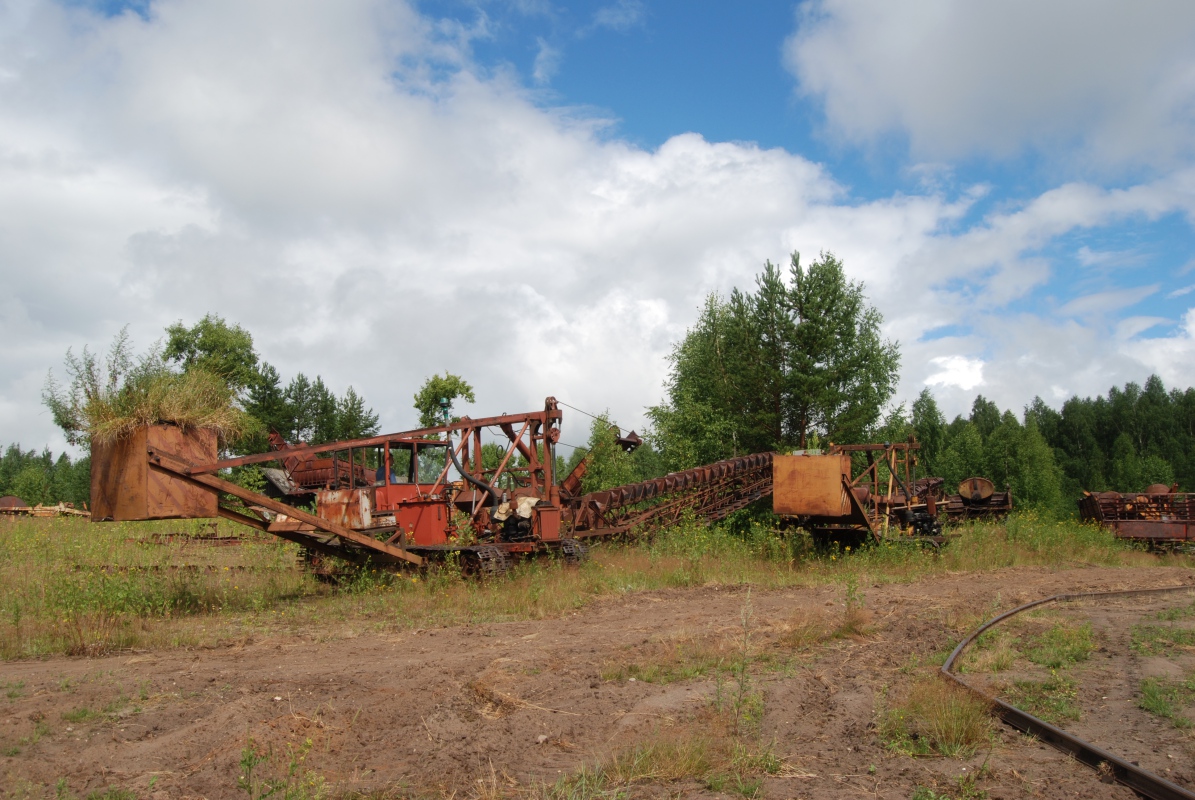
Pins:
<point x="1139" y="780"/>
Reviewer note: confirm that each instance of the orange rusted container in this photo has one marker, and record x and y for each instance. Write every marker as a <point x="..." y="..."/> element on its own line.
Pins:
<point x="811" y="486"/>
<point x="125" y="488"/>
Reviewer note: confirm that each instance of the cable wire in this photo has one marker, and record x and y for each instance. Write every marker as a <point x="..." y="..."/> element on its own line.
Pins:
<point x="586" y="413"/>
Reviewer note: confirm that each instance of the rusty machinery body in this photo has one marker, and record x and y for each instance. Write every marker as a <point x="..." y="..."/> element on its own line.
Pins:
<point x="1160" y="516"/>
<point x="422" y="494"/>
<point x="399" y="511"/>
<point x="871" y="491"/>
<point x="857" y="492"/>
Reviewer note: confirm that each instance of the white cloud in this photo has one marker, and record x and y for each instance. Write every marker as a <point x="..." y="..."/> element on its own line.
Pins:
<point x="619" y="16"/>
<point x="1172" y="357"/>
<point x="1108" y="258"/>
<point x="1103" y="302"/>
<point x="1110" y="83"/>
<point x="965" y="373"/>
<point x="547" y="62"/>
<point x="341" y="180"/>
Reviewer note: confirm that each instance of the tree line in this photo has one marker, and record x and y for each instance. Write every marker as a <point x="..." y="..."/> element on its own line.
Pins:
<point x="799" y="361"/>
<point x="793" y="363"/>
<point x="39" y="478"/>
<point x="302" y="410"/>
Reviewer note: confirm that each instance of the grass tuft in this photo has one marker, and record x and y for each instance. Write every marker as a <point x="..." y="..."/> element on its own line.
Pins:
<point x="936" y="718"/>
<point x="1168" y="699"/>
<point x="1152" y="640"/>
<point x="1061" y="646"/>
<point x="1054" y="699"/>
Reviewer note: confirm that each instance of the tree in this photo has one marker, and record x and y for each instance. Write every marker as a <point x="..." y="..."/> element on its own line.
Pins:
<point x="324" y="412"/>
<point x="301" y="409"/>
<point x="963" y="457"/>
<point x="769" y="369"/>
<point x="355" y="420"/>
<point x="841" y="372"/>
<point x="226" y="350"/>
<point x="609" y="465"/>
<point x="436" y="388"/>
<point x="1037" y="481"/>
<point x="265" y="401"/>
<point x="985" y="416"/>
<point x="930" y="427"/>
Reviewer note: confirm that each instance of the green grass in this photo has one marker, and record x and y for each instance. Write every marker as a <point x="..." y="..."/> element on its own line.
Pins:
<point x="993" y="651"/>
<point x="699" y="752"/>
<point x="1062" y="645"/>
<point x="1173" y="614"/>
<point x="1152" y="640"/>
<point x="936" y="718"/>
<point x="70" y="586"/>
<point x="1168" y="699"/>
<point x="1054" y="699"/>
<point x="81" y="715"/>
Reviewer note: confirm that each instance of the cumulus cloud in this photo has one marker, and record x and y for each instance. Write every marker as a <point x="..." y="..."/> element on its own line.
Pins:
<point x="965" y="373"/>
<point x="1109" y="81"/>
<point x="343" y="181"/>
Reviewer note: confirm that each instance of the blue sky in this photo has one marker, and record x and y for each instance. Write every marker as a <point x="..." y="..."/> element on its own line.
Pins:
<point x="538" y="195"/>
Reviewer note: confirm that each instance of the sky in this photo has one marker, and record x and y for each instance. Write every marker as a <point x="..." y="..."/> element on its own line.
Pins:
<point x="538" y="196"/>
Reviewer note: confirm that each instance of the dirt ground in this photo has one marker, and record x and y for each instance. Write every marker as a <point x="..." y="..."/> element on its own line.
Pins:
<point x="488" y="710"/>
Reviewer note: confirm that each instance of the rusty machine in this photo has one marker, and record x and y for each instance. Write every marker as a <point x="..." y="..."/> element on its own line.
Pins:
<point x="852" y="493"/>
<point x="413" y="496"/>
<point x="977" y="498"/>
<point x="1160" y="516"/>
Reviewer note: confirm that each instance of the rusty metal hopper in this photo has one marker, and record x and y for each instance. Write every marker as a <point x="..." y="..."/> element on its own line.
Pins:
<point x="811" y="486"/>
<point x="124" y="488"/>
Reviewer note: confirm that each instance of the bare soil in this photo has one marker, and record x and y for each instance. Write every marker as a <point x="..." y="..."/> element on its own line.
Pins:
<point x="498" y="709"/>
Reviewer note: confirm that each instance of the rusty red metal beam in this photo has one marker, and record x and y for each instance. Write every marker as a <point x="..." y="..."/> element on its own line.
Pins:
<point x="424" y="437"/>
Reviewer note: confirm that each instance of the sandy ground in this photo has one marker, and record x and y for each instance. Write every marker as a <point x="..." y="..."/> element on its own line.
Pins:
<point x="519" y="704"/>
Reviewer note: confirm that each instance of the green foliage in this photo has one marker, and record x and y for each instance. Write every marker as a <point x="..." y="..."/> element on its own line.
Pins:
<point x="1152" y="640"/>
<point x="1061" y="646"/>
<point x="213" y="345"/>
<point x="1055" y="699"/>
<point x="1124" y="441"/>
<point x="936" y="717"/>
<point x="1168" y="699"/>
<point x="436" y="388"/>
<point x="1011" y="454"/>
<point x="963" y="457"/>
<point x="768" y="369"/>
<point x="609" y="465"/>
<point x="72" y="586"/>
<point x="222" y="384"/>
<point x="106" y="401"/>
<point x="40" y="478"/>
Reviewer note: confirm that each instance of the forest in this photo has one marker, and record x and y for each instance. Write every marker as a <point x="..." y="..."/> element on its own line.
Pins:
<point x="794" y="363"/>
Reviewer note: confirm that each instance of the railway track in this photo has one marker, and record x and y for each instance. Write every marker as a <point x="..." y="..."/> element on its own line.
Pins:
<point x="1110" y="766"/>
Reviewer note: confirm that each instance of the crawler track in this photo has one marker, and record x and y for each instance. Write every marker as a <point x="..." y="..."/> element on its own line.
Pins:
<point x="1139" y="780"/>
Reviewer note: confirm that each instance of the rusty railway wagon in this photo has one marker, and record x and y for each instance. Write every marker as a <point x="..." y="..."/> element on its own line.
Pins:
<point x="1159" y="516"/>
<point x="377" y="502"/>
